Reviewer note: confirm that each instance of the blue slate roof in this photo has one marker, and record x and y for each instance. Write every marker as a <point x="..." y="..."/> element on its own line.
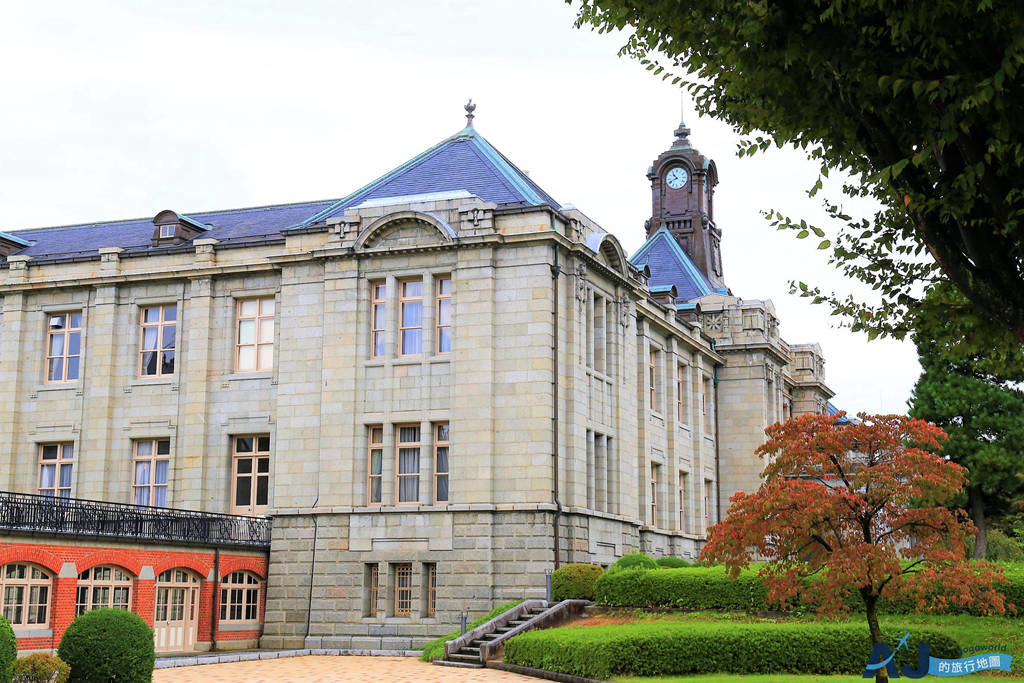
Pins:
<point x="670" y="265"/>
<point x="464" y="161"/>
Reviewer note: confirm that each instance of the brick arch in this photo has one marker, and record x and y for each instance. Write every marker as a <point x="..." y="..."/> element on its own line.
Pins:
<point x="34" y="555"/>
<point x="196" y="565"/>
<point x="111" y="557"/>
<point x="256" y="565"/>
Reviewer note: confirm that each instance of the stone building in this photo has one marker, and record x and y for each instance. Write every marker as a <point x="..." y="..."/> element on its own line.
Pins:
<point x="436" y="389"/>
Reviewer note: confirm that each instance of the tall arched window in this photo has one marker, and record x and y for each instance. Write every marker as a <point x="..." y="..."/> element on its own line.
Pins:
<point x="103" y="586"/>
<point x="26" y="595"/>
<point x="240" y="597"/>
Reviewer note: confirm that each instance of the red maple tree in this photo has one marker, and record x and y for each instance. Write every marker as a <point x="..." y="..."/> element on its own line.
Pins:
<point x="857" y="506"/>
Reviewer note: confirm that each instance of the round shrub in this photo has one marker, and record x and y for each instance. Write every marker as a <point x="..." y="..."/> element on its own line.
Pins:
<point x="107" y="645"/>
<point x="8" y="649"/>
<point x="574" y="582"/>
<point x="633" y="561"/>
<point x="40" y="668"/>
<point x="673" y="562"/>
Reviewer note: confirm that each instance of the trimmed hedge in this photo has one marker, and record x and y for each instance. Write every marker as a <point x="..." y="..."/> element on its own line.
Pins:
<point x="688" y="588"/>
<point x="677" y="648"/>
<point x="673" y="562"/>
<point x="711" y="588"/>
<point x="108" y="644"/>
<point x="435" y="648"/>
<point x="574" y="582"/>
<point x="8" y="649"/>
<point x="40" y="668"/>
<point x="632" y="561"/>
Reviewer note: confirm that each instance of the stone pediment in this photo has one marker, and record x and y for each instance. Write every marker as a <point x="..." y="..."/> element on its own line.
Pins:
<point x="404" y="229"/>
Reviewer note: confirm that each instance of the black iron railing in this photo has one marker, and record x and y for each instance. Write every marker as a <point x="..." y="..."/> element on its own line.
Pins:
<point x="78" y="517"/>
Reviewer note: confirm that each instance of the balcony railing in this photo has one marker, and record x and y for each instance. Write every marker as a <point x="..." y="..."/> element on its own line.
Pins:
<point x="78" y="517"/>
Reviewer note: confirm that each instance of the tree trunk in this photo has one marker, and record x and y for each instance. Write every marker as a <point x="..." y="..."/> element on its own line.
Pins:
<point x="871" y="603"/>
<point x="977" y="506"/>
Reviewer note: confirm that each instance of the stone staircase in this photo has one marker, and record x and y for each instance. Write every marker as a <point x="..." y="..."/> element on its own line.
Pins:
<point x="469" y="655"/>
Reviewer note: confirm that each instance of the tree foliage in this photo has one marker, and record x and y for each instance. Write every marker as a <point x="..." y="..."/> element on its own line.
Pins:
<point x="923" y="103"/>
<point x="859" y="507"/>
<point x="968" y="393"/>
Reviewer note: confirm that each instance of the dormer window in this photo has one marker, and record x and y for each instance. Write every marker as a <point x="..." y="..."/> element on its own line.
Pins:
<point x="10" y="244"/>
<point x="175" y="228"/>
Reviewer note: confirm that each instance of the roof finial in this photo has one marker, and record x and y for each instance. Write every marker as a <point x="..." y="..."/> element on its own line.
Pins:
<point x="682" y="132"/>
<point x="470" y="108"/>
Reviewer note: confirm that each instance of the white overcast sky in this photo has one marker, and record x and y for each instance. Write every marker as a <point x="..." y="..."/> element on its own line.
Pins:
<point x="121" y="109"/>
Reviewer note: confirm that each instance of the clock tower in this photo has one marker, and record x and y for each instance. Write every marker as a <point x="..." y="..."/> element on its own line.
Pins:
<point x="682" y="201"/>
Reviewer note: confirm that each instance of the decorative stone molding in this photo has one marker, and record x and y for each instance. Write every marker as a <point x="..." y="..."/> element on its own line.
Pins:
<point x="110" y="259"/>
<point x="714" y="322"/>
<point x="205" y="253"/>
<point x="17" y="268"/>
<point x="581" y="284"/>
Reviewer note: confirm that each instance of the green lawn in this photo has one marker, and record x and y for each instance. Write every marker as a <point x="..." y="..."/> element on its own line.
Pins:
<point x="968" y="630"/>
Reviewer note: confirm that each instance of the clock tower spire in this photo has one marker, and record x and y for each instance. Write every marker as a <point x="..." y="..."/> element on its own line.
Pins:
<point x="682" y="201"/>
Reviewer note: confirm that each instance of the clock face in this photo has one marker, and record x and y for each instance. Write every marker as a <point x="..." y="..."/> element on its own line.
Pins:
<point x="676" y="177"/>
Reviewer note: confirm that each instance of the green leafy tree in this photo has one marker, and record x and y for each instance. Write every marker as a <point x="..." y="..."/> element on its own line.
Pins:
<point x="922" y="103"/>
<point x="982" y="413"/>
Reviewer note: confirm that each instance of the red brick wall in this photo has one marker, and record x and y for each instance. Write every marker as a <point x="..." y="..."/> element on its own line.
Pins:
<point x="133" y="558"/>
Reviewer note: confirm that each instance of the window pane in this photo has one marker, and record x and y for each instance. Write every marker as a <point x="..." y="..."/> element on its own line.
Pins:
<point x="412" y="314"/>
<point x="409" y="461"/>
<point x="444" y="340"/>
<point x="409" y="434"/>
<point x="444" y="312"/>
<point x="57" y="322"/>
<point x="375" y="490"/>
<point x="245" y="465"/>
<point x="379" y="316"/>
<point x="444" y="286"/>
<point x="167" y="366"/>
<point x="408" y="489"/>
<point x="160" y="476"/>
<point x="73" y="367"/>
<point x="68" y="451"/>
<point x="247" y="358"/>
<point x="247" y="332"/>
<point x="57" y="344"/>
<point x="263" y="465"/>
<point x="50" y="452"/>
<point x="56" y="369"/>
<point x="149" y="337"/>
<point x="141" y="495"/>
<point x="169" y="336"/>
<point x="141" y="473"/>
<point x="267" y="306"/>
<point x="442" y="487"/>
<point x="267" y="331"/>
<point x="160" y="496"/>
<point x="378" y="344"/>
<point x="262" y="488"/>
<point x="376" y="461"/>
<point x="249" y="308"/>
<point x="170" y="313"/>
<point x="243" y="444"/>
<point x="442" y="459"/>
<point x="74" y="343"/>
<point x="442" y="432"/>
<point x="48" y="475"/>
<point x="144" y="449"/>
<point x="263" y="443"/>
<point x="65" y="476"/>
<point x="163" y="447"/>
<point x="412" y="341"/>
<point x="243" y="488"/>
<point x="76" y="320"/>
<point x="266" y="356"/>
<point x="149" y="360"/>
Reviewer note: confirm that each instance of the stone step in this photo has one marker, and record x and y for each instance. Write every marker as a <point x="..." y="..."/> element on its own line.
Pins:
<point x="468" y="659"/>
<point x="491" y="636"/>
<point x="461" y="665"/>
<point x="470" y="650"/>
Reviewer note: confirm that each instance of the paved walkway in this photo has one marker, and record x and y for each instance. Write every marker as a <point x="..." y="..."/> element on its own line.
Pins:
<point x="356" y="669"/>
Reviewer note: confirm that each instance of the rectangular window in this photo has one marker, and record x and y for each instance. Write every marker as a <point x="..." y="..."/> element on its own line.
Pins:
<point x="444" y="314"/>
<point x="371" y="580"/>
<point x="403" y="590"/>
<point x="429" y="589"/>
<point x="709" y="408"/>
<point x="410" y="306"/>
<point x="441" y="451"/>
<point x="707" y="504"/>
<point x="157" y="342"/>
<point x="63" y="347"/>
<point x="655" y="472"/>
<point x="681" y="393"/>
<point x="599" y="334"/>
<point x="378" y="317"/>
<point x="56" y="461"/>
<point x="375" y="466"/>
<point x="250" y="467"/>
<point x="682" y="501"/>
<point x="150" y="463"/>
<point x="408" y="464"/>
<point x="653" y="380"/>
<point x="254" y="342"/>
<point x="166" y="231"/>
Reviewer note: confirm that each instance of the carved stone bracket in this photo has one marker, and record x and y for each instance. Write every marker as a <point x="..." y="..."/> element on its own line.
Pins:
<point x="625" y="311"/>
<point x="581" y="284"/>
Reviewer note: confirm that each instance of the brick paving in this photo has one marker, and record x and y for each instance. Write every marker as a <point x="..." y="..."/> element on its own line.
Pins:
<point x="343" y="668"/>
